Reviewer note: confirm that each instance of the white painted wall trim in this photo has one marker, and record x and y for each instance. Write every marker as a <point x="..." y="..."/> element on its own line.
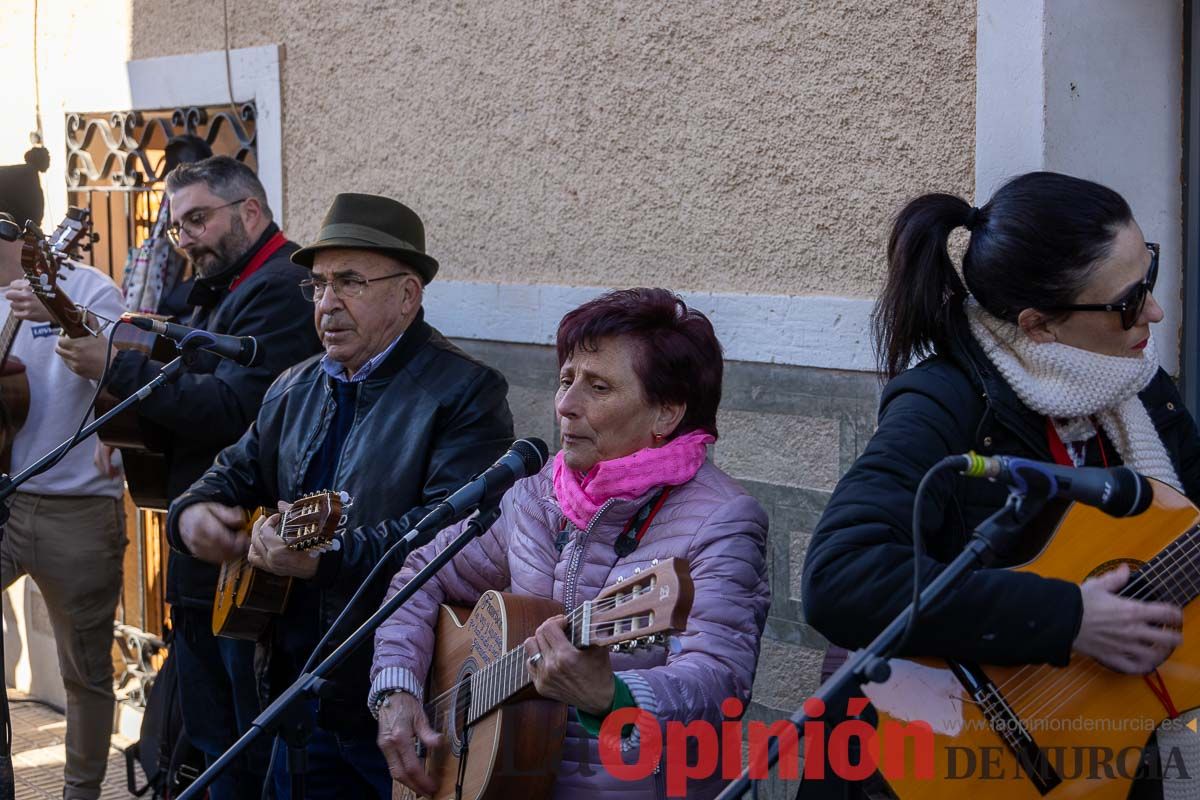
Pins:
<point x="806" y="331"/>
<point x="1010" y="92"/>
<point x="194" y="79"/>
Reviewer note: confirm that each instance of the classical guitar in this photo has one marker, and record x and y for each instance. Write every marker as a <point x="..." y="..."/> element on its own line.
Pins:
<point x="46" y="266"/>
<point x="42" y="260"/>
<point x="67" y="239"/>
<point x="248" y="598"/>
<point x="1007" y="733"/>
<point x="482" y="699"/>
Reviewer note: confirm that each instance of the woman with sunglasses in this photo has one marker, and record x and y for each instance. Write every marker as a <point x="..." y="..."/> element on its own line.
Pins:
<point x="1041" y="349"/>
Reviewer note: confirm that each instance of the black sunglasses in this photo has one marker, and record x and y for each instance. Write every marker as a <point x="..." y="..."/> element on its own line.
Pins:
<point x="1130" y="306"/>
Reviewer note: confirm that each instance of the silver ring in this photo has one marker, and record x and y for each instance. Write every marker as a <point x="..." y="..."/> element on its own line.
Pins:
<point x="535" y="658"/>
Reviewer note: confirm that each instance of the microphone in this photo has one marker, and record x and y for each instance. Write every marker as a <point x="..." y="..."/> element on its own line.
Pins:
<point x="1118" y="492"/>
<point x="239" y="349"/>
<point x="526" y="457"/>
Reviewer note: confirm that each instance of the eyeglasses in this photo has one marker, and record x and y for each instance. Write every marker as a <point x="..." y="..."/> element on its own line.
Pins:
<point x="344" y="286"/>
<point x="1130" y="306"/>
<point x="196" y="222"/>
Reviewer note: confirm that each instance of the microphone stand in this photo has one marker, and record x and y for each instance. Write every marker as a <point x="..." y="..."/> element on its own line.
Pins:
<point x="991" y="539"/>
<point x="288" y="708"/>
<point x="10" y="484"/>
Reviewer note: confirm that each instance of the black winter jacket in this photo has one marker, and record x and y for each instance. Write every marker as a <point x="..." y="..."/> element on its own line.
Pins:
<point x="427" y="420"/>
<point x="210" y="406"/>
<point x="858" y="572"/>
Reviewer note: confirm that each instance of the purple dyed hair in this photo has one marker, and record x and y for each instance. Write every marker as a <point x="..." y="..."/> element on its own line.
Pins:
<point x="680" y="358"/>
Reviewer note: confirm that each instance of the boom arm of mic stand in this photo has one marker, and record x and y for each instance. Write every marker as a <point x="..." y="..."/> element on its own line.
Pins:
<point x="9" y="485"/>
<point x="311" y="682"/>
<point x="870" y="665"/>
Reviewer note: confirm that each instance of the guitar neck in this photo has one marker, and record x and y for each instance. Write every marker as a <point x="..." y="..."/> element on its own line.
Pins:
<point x="1172" y="576"/>
<point x="8" y="336"/>
<point x="507" y="676"/>
<point x="638" y="610"/>
<point x="65" y="313"/>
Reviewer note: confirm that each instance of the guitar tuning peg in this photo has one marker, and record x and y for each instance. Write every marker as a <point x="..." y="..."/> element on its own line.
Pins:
<point x="637" y="570"/>
<point x="654" y="563"/>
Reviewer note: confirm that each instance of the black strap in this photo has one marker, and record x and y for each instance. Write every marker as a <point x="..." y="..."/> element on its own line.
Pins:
<point x="631" y="537"/>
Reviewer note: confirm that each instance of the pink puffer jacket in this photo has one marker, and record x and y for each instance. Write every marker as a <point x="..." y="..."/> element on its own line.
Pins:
<point x="710" y="521"/>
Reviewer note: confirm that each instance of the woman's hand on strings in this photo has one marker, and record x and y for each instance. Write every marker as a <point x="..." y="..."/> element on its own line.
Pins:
<point x="1124" y="634"/>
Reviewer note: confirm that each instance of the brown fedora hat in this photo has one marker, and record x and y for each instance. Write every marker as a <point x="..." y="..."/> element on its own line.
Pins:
<point x="372" y="222"/>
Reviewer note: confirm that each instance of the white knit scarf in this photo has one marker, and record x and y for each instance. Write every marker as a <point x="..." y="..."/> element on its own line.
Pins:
<point x="1069" y="385"/>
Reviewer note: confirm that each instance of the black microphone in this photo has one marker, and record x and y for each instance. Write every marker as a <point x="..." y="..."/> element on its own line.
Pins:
<point x="526" y="457"/>
<point x="242" y="350"/>
<point x="1118" y="492"/>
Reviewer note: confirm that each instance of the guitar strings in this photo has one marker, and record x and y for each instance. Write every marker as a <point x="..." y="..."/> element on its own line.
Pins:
<point x="1094" y="669"/>
<point x="1155" y="578"/>
<point x="516" y="655"/>
<point x="441" y="704"/>
<point x="1075" y="681"/>
<point x="1066" y="681"/>
<point x="105" y="321"/>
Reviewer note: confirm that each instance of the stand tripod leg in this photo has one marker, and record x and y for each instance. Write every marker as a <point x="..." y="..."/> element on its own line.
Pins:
<point x="296" y="731"/>
<point x="297" y="761"/>
<point x="7" y="779"/>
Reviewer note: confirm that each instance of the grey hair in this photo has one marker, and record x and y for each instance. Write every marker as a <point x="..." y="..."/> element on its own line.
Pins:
<point x="227" y="178"/>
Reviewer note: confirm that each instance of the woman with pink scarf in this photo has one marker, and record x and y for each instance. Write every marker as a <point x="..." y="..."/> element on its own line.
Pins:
<point x="639" y="385"/>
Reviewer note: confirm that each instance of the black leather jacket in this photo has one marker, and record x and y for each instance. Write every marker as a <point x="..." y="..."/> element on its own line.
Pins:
<point x="211" y="405"/>
<point x="427" y="420"/>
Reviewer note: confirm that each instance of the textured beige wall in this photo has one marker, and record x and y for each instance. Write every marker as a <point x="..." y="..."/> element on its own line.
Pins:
<point x="728" y="146"/>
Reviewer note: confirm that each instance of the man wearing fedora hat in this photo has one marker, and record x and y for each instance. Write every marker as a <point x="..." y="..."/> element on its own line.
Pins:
<point x="393" y="414"/>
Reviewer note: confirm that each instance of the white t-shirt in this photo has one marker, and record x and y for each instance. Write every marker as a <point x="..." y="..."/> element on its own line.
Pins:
<point x="58" y="396"/>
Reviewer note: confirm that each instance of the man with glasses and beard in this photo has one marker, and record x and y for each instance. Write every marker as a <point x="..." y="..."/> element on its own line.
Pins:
<point x="246" y="285"/>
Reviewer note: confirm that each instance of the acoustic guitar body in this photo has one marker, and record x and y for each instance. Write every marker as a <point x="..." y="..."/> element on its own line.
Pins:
<point x="247" y="599"/>
<point x="14" y="407"/>
<point x="1079" y="729"/>
<point x="142" y="445"/>
<point x="514" y="752"/>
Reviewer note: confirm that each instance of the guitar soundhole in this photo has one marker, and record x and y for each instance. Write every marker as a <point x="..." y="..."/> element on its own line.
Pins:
<point x="459" y="733"/>
<point x="1109" y="566"/>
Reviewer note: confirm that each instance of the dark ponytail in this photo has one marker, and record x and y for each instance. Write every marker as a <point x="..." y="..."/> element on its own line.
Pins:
<point x="1034" y="244"/>
<point x="922" y="285"/>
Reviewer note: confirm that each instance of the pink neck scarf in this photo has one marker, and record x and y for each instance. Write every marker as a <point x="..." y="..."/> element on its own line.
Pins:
<point x="673" y="464"/>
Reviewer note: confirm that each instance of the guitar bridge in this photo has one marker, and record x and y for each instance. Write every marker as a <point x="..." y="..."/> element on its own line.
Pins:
<point x="1005" y="723"/>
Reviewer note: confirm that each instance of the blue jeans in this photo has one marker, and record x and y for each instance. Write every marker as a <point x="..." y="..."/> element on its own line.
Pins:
<point x="218" y="693"/>
<point x="338" y="767"/>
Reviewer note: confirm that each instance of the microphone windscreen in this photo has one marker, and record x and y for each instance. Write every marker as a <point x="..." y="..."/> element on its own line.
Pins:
<point x="533" y="453"/>
<point x="1134" y="493"/>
